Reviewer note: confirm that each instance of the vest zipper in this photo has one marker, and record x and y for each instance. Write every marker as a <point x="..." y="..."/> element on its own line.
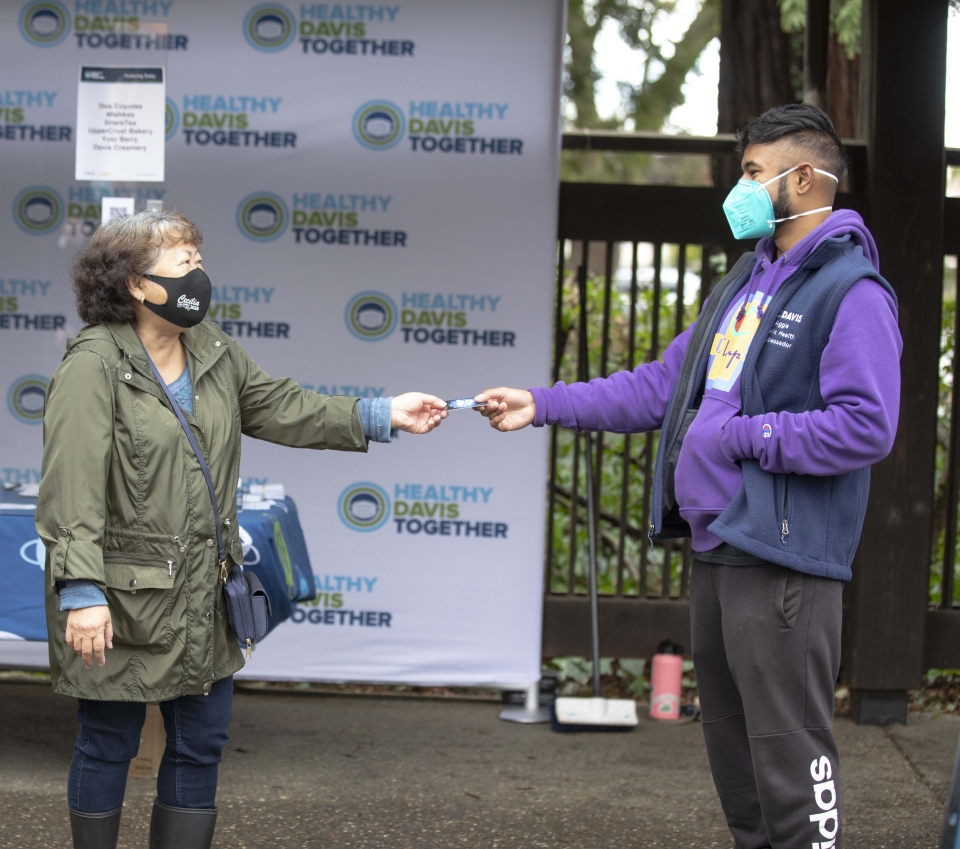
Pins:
<point x="785" y="524"/>
<point x="670" y="426"/>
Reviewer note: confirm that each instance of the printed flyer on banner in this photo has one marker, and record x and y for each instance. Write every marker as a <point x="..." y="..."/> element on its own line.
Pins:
<point x="377" y="189"/>
<point x="120" y="124"/>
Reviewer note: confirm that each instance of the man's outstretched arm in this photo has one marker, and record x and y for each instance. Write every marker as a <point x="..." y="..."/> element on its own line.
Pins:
<point x="625" y="402"/>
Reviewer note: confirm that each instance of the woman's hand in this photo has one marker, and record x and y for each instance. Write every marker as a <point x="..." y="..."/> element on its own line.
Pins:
<point x="89" y="632"/>
<point x="416" y="412"/>
<point x="507" y="409"/>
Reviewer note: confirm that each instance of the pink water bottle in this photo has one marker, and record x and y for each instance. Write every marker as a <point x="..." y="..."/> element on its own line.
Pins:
<point x="665" y="678"/>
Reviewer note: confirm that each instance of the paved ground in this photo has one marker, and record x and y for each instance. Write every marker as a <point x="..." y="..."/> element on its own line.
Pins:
<point x="322" y="771"/>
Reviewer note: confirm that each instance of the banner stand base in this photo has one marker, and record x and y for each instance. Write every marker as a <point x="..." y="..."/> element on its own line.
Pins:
<point x="531" y="712"/>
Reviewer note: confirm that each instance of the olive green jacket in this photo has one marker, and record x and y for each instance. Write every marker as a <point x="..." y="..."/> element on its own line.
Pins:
<point x="123" y="502"/>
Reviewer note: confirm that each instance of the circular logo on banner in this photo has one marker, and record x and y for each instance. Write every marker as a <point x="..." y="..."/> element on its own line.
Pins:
<point x="379" y="124"/>
<point x="38" y="210"/>
<point x="364" y="507"/>
<point x="262" y="216"/>
<point x="45" y="24"/>
<point x="171" y="117"/>
<point x="269" y="27"/>
<point x="371" y="316"/>
<point x="33" y="552"/>
<point x="26" y="396"/>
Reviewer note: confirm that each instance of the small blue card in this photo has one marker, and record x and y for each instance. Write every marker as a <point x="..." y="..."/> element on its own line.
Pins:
<point x="465" y="404"/>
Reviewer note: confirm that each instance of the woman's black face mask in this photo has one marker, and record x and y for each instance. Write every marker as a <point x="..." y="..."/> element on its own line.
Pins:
<point x="188" y="298"/>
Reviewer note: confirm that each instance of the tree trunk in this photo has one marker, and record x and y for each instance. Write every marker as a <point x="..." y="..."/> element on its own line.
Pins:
<point x="652" y="102"/>
<point x="754" y="69"/>
<point x="843" y="86"/>
<point x="754" y="62"/>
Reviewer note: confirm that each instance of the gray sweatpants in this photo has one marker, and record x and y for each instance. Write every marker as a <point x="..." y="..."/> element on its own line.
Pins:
<point x="766" y="648"/>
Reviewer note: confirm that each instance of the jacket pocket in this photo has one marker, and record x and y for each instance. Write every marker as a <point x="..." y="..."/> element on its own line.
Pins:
<point x="220" y="606"/>
<point x="788" y="597"/>
<point x="673" y="460"/>
<point x="140" y="598"/>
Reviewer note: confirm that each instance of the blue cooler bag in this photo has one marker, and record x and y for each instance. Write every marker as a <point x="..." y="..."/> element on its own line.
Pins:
<point x="292" y="550"/>
<point x="275" y="551"/>
<point x="259" y="557"/>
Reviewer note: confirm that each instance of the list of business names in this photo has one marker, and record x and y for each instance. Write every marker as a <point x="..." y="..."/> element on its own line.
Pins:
<point x="120" y="124"/>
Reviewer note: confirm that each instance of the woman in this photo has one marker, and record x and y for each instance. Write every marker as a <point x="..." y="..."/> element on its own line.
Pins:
<point x="127" y="521"/>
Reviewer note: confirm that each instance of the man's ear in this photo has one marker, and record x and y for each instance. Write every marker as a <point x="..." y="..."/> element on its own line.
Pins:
<point x="805" y="177"/>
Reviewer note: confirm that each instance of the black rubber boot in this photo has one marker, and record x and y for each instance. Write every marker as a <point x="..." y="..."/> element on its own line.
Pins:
<point x="95" y="831"/>
<point x="181" y="828"/>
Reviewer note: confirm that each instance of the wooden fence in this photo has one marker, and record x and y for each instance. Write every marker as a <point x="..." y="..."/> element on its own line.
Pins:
<point x="653" y="253"/>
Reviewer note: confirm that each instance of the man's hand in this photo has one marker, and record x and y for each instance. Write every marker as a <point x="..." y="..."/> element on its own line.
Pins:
<point x="507" y="409"/>
<point x="89" y="632"/>
<point x="416" y="412"/>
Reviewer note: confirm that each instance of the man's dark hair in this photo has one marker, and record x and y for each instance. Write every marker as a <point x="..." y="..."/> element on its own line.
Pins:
<point x="808" y="128"/>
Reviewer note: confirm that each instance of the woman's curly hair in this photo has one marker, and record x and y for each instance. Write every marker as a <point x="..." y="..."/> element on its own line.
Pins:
<point x="123" y="249"/>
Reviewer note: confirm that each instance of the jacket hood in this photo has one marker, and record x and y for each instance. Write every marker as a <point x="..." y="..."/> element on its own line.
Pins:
<point x="842" y="222"/>
<point x="201" y="340"/>
<point x="88" y="333"/>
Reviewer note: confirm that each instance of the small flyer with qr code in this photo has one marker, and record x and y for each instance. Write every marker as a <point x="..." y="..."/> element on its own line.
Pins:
<point x="120" y="124"/>
<point x="111" y="208"/>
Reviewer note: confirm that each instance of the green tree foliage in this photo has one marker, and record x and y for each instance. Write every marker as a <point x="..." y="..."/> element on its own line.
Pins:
<point x="584" y="23"/>
<point x="665" y="64"/>
<point x="944" y="415"/>
<point x="646" y="106"/>
<point x="844" y="21"/>
<point x="614" y="302"/>
<point x="650" y="103"/>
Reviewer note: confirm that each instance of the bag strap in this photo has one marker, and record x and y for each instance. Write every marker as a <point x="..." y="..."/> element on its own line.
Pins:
<point x="222" y="552"/>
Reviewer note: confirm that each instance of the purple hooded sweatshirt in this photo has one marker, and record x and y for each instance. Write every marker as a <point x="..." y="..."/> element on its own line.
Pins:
<point x="859" y="382"/>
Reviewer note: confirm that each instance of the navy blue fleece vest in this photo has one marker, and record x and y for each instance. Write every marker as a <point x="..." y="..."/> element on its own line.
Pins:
<point x="823" y="515"/>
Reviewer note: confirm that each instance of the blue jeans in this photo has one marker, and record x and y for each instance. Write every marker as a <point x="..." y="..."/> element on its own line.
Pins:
<point x="109" y="738"/>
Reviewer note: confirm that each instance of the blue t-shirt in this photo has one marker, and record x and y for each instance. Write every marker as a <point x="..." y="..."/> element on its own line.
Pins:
<point x="182" y="390"/>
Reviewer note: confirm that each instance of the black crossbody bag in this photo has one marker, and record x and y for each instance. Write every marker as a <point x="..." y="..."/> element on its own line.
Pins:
<point x="248" y="607"/>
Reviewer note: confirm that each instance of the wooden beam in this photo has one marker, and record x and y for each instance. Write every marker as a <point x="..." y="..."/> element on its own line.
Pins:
<point x="902" y="97"/>
<point x="629" y="627"/>
<point x="718" y="145"/>
<point x="941" y="640"/>
<point x="951" y="226"/>
<point x="681" y="214"/>
<point x="816" y="57"/>
<point x="722" y="144"/>
<point x="616" y="212"/>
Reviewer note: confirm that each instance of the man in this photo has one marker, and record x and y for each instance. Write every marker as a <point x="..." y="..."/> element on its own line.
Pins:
<point x="773" y="406"/>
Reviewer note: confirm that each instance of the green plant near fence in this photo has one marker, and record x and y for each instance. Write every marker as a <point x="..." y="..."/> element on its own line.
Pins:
<point x="611" y="466"/>
<point x="610" y="469"/>
<point x="948" y="319"/>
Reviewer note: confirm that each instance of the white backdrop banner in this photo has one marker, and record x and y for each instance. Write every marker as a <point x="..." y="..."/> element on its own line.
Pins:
<point x="377" y="188"/>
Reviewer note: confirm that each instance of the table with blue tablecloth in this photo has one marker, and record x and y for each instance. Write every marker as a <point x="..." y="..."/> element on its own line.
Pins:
<point x="21" y="570"/>
<point x="273" y="544"/>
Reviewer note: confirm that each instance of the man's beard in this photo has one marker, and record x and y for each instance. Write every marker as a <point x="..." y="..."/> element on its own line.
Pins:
<point x="782" y="208"/>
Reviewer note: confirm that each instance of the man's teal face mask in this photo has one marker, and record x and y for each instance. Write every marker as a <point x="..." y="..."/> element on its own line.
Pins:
<point x="749" y="208"/>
